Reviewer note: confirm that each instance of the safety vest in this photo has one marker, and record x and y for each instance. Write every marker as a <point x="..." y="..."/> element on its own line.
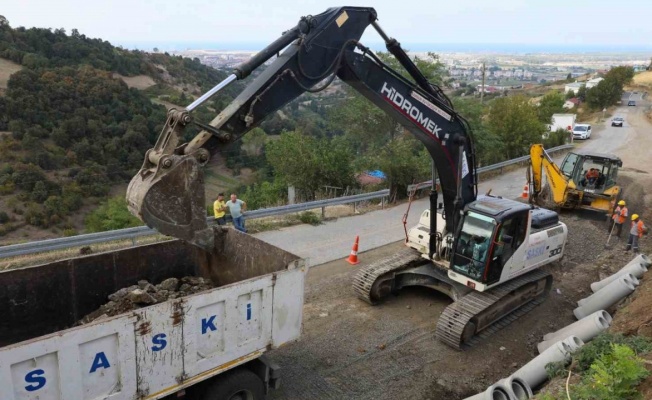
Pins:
<point x="620" y="215"/>
<point x="637" y="228"/>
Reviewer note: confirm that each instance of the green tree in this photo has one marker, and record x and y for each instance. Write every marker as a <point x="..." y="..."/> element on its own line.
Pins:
<point x="622" y="75"/>
<point x="551" y="103"/>
<point x="515" y="122"/>
<point x="110" y="215"/>
<point x="254" y="141"/>
<point x="570" y="94"/>
<point x="40" y="192"/>
<point x="404" y="161"/>
<point x="569" y="77"/>
<point x="604" y="94"/>
<point x="581" y="93"/>
<point x="309" y="163"/>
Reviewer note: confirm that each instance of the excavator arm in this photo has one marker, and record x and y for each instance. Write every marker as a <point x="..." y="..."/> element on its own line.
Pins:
<point x="168" y="191"/>
<point x="541" y="162"/>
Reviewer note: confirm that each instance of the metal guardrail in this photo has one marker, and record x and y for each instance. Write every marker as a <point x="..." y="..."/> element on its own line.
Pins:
<point x="131" y="233"/>
<point x="427" y="184"/>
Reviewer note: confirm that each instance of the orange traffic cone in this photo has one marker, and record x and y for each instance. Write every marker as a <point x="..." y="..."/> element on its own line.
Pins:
<point x="353" y="257"/>
<point x="526" y="191"/>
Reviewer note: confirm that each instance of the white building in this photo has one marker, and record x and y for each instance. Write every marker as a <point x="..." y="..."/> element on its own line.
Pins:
<point x="575" y="87"/>
<point x="593" y="82"/>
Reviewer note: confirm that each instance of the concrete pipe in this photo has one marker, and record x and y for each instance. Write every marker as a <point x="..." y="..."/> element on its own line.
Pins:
<point x="573" y="343"/>
<point x="637" y="269"/>
<point x="607" y="297"/>
<point x="567" y="330"/>
<point x="534" y="372"/>
<point x="585" y="329"/>
<point x="629" y="277"/>
<point x="497" y="391"/>
<point x="518" y="388"/>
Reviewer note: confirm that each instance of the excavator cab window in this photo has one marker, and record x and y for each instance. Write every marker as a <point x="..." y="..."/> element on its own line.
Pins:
<point x="511" y="235"/>
<point x="473" y="246"/>
<point x="568" y="166"/>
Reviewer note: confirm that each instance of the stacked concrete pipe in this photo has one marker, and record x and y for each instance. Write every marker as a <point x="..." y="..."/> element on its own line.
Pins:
<point x="497" y="391"/>
<point x="607" y="296"/>
<point x="534" y="372"/>
<point x="637" y="267"/>
<point x="517" y="387"/>
<point x="629" y="277"/>
<point x="586" y="329"/>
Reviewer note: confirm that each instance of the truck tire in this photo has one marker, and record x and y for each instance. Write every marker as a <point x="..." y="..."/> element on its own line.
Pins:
<point x="240" y="384"/>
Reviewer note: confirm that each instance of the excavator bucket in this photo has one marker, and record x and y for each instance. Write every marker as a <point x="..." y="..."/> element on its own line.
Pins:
<point x="169" y="197"/>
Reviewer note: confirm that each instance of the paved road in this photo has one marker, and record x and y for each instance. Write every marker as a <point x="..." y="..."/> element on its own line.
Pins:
<point x="333" y="239"/>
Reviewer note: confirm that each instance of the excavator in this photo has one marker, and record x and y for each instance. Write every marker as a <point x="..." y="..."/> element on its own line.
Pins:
<point x="485" y="252"/>
<point x="585" y="180"/>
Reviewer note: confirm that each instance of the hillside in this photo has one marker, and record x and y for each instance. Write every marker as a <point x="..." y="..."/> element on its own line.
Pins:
<point x="76" y="117"/>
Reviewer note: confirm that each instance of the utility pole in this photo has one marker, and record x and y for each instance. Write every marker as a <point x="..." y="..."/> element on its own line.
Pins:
<point x="483" y="88"/>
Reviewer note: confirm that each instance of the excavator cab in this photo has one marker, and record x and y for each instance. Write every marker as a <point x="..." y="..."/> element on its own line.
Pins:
<point x="491" y="231"/>
<point x="592" y="172"/>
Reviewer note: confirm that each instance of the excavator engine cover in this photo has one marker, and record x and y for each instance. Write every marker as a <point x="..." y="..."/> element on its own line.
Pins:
<point x="542" y="218"/>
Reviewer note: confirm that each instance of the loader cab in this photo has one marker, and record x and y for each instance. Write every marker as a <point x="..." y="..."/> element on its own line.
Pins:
<point x="591" y="172"/>
<point x="490" y="232"/>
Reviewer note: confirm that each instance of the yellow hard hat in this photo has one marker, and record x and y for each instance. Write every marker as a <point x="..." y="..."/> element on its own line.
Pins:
<point x="634" y="217"/>
<point x="621" y="203"/>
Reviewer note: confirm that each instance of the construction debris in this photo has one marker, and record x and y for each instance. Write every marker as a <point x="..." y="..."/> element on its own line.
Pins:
<point x="144" y="294"/>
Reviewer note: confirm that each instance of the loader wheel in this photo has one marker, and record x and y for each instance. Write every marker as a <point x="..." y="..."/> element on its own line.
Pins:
<point x="240" y="384"/>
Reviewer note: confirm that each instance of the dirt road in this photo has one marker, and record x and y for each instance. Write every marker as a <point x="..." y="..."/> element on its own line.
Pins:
<point x="350" y="350"/>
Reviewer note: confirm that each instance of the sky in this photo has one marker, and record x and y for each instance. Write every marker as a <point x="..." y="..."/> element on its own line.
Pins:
<point x="251" y="24"/>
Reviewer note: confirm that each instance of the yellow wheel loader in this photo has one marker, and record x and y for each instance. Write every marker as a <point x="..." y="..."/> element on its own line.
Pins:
<point x="585" y="180"/>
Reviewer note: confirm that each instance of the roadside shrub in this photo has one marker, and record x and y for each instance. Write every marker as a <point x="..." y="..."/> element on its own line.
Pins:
<point x="3" y="217"/>
<point x="613" y="376"/>
<point x="308" y="217"/>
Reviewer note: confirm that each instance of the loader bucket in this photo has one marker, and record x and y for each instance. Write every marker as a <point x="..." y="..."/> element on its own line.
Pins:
<point x="169" y="197"/>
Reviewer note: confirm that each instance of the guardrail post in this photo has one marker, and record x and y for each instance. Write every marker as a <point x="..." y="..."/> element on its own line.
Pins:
<point x="382" y="203"/>
<point x="323" y="212"/>
<point x="354" y="209"/>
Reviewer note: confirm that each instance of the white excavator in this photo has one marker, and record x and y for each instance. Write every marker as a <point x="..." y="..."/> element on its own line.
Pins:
<point x="484" y="252"/>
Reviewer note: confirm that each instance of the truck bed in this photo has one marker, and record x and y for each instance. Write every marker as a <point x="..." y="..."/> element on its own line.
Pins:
<point x="153" y="351"/>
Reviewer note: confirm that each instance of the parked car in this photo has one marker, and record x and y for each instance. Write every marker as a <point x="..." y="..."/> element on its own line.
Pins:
<point x="617" y="121"/>
<point x="582" y="131"/>
<point x="631" y="103"/>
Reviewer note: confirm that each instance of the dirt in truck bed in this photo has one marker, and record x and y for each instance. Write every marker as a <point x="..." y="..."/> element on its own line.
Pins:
<point x="351" y="350"/>
<point x="145" y="294"/>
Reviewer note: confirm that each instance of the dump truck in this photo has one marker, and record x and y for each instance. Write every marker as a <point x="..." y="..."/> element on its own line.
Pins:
<point x="208" y="345"/>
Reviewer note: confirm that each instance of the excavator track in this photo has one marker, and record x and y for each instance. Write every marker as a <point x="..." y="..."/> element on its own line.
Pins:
<point x="364" y="280"/>
<point x="457" y="324"/>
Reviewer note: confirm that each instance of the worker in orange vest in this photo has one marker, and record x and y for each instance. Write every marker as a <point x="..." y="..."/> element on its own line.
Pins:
<point x="618" y="218"/>
<point x="635" y="233"/>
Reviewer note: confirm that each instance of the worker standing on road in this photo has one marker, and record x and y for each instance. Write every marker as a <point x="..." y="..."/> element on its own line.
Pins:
<point x="236" y="208"/>
<point x="219" y="209"/>
<point x="618" y="218"/>
<point x="635" y="233"/>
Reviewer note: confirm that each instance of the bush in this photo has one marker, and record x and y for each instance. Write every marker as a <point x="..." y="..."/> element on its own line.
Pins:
<point x="3" y="217"/>
<point x="556" y="138"/>
<point x="308" y="217"/>
<point x="613" y="376"/>
<point x="112" y="214"/>
<point x="609" y="367"/>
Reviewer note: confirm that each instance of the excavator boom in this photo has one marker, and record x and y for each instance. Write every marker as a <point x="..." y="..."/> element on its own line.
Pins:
<point x="541" y="162"/>
<point x="168" y="191"/>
